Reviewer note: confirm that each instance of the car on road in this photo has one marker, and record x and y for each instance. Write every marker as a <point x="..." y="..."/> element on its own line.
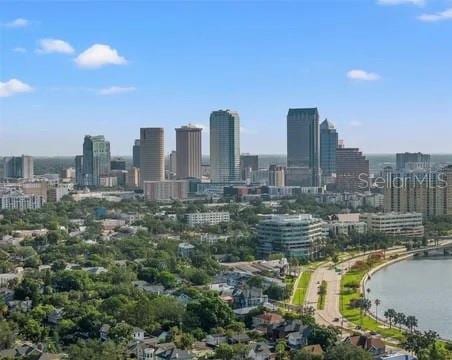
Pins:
<point x="336" y="320"/>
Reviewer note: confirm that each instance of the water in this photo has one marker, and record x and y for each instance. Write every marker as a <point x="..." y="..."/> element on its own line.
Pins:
<point x="419" y="287"/>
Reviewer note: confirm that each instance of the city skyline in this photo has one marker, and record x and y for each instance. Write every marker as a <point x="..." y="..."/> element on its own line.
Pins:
<point x="102" y="83"/>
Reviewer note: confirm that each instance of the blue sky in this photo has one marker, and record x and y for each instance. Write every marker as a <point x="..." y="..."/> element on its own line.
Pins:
<point x="380" y="70"/>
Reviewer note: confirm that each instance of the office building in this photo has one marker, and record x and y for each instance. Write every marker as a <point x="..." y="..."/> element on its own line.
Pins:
<point x="18" y="167"/>
<point x="136" y="154"/>
<point x="68" y="174"/>
<point x="188" y="152"/>
<point x="352" y="170"/>
<point x="207" y="218"/>
<point x="248" y="165"/>
<point x="303" y="143"/>
<point x="328" y="146"/>
<point x="38" y="188"/>
<point x="294" y="236"/>
<point x="276" y="176"/>
<point x="79" y="180"/>
<point x="56" y="193"/>
<point x="395" y="224"/>
<point x="299" y="176"/>
<point x="172" y="165"/>
<point x="133" y="178"/>
<point x="224" y="146"/>
<point x="166" y="190"/>
<point x="427" y="193"/>
<point x="118" y="164"/>
<point x="96" y="159"/>
<point x="412" y="162"/>
<point x="152" y="156"/>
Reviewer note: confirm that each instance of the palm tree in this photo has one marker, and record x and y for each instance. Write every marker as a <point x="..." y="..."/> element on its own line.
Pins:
<point x="364" y="305"/>
<point x="280" y="349"/>
<point x="390" y="316"/>
<point x="400" y="319"/>
<point x="411" y="322"/>
<point x="377" y="303"/>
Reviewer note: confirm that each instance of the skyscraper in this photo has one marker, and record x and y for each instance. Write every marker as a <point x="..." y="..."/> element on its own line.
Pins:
<point x="118" y="164"/>
<point x="152" y="157"/>
<point x="328" y="146"/>
<point x="248" y="164"/>
<point x="303" y="142"/>
<point x="136" y="154"/>
<point x="18" y="167"/>
<point x="352" y="170"/>
<point x="79" y="180"/>
<point x="96" y="159"/>
<point x="276" y="175"/>
<point x="412" y="161"/>
<point x="188" y="152"/>
<point x="224" y="146"/>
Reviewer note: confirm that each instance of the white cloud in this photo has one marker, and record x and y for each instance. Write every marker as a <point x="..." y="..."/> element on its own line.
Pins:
<point x="439" y="16"/>
<point x="99" y="55"/>
<point x="49" y="46"/>
<point x="12" y="87"/>
<point x="114" y="90"/>
<point x="19" y="50"/>
<point x="401" y="2"/>
<point x="357" y="74"/>
<point x="355" y="123"/>
<point x="17" y="23"/>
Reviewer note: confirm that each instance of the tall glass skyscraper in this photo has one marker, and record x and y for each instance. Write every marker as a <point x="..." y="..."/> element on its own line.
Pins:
<point x="328" y="146"/>
<point x="96" y="159"/>
<point x="303" y="150"/>
<point x="136" y="153"/>
<point x="152" y="156"/>
<point x="224" y="146"/>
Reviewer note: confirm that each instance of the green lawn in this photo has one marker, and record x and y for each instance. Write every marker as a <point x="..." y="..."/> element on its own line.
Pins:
<point x="302" y="287"/>
<point x="353" y="314"/>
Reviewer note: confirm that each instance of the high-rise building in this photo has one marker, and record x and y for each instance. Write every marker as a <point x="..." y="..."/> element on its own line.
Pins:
<point x="352" y="170"/>
<point x="136" y="154"/>
<point x="118" y="164"/>
<point x="96" y="159"/>
<point x="429" y="193"/>
<point x="172" y="166"/>
<point x="276" y="175"/>
<point x="412" y="161"/>
<point x="248" y="165"/>
<point x="224" y="146"/>
<point x="188" y="152"/>
<point x="166" y="190"/>
<point x="79" y="170"/>
<point x="18" y="167"/>
<point x="328" y="146"/>
<point x="152" y="156"/>
<point x="303" y="148"/>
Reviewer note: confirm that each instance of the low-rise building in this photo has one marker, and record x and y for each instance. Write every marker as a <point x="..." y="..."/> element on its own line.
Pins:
<point x="11" y="199"/>
<point x="292" y="235"/>
<point x="395" y="224"/>
<point x="207" y="218"/>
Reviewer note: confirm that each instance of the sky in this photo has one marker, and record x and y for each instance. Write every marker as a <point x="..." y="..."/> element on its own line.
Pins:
<point x="380" y="70"/>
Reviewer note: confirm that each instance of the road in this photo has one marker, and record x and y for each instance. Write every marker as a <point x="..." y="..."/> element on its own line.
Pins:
<point x="327" y="273"/>
<point x="331" y="311"/>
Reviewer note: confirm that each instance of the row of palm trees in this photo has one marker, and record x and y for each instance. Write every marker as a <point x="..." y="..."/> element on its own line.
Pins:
<point x="392" y="317"/>
<point x="400" y="319"/>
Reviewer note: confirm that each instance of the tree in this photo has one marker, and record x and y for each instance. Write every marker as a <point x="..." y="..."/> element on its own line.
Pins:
<point x="400" y="319"/>
<point x="224" y="352"/>
<point x="208" y="312"/>
<point x="306" y="355"/>
<point x="280" y="349"/>
<point x="390" y="314"/>
<point x="377" y="303"/>
<point x="347" y="352"/>
<point x="420" y="343"/>
<point x="92" y="349"/>
<point x="324" y="336"/>
<point x="411" y="322"/>
<point x="7" y="335"/>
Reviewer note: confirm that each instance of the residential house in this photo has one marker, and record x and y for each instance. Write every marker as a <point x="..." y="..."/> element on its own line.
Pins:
<point x="372" y="344"/>
<point x="260" y="351"/>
